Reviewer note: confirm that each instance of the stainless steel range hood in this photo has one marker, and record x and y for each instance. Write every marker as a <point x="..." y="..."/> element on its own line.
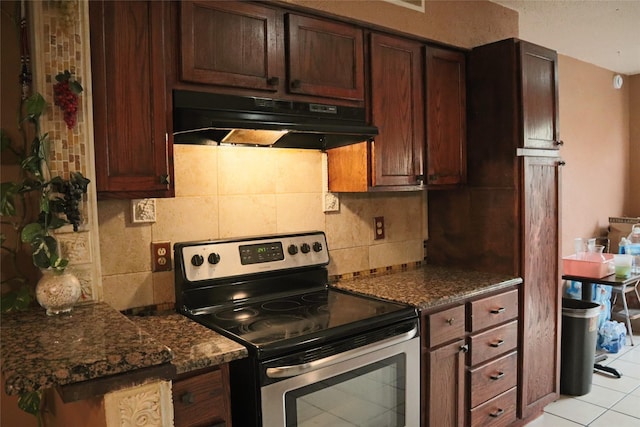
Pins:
<point x="208" y="118"/>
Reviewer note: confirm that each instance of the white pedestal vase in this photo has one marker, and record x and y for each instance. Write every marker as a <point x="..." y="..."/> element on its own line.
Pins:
<point x="58" y="292"/>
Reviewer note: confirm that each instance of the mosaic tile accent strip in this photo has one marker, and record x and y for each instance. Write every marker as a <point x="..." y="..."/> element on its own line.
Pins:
<point x="61" y="36"/>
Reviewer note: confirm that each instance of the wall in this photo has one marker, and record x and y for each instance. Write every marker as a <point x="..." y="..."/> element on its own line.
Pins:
<point x="632" y="207"/>
<point x="237" y="191"/>
<point x="597" y="181"/>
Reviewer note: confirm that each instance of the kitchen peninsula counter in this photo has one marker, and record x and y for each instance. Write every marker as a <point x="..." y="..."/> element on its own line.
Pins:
<point x="428" y="286"/>
<point x="97" y="342"/>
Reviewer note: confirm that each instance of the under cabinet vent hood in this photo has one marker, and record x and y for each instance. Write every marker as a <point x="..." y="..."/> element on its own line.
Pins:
<point x="208" y="118"/>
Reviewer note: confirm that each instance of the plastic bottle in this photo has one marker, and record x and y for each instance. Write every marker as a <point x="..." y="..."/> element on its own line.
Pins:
<point x="622" y="245"/>
<point x="633" y="247"/>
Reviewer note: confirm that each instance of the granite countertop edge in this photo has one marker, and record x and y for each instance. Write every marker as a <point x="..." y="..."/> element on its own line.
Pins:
<point x="429" y="286"/>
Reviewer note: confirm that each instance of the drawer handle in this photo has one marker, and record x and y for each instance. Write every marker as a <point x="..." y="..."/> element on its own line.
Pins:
<point x="497" y="413"/>
<point x="497" y="344"/>
<point x="451" y="320"/>
<point x="497" y="377"/>
<point x="498" y="310"/>
<point x="187" y="398"/>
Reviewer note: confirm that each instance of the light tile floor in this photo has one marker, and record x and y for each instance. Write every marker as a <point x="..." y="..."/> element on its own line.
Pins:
<point x="611" y="402"/>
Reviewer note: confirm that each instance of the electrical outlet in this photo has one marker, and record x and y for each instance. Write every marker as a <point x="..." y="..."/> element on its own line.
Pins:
<point x="161" y="256"/>
<point x="378" y="223"/>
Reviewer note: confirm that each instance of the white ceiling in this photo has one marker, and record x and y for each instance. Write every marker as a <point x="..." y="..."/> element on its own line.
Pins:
<point x="605" y="33"/>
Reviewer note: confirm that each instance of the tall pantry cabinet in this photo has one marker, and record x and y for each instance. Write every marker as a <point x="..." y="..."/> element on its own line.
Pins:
<point x="507" y="218"/>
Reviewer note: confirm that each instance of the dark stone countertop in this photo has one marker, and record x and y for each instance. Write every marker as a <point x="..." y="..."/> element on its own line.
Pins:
<point x="428" y="286"/>
<point x="95" y="341"/>
<point x="91" y="342"/>
<point x="194" y="346"/>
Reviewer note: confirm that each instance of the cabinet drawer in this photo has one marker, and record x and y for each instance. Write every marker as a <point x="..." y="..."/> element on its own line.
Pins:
<point x="493" y="378"/>
<point x="493" y="310"/>
<point x="492" y="343"/>
<point x="200" y="400"/>
<point x="444" y="326"/>
<point x="497" y="412"/>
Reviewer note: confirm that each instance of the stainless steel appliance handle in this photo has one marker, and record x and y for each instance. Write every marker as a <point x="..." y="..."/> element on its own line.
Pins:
<point x="303" y="368"/>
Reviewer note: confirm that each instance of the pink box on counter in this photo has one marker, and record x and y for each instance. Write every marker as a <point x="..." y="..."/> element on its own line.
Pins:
<point x="588" y="267"/>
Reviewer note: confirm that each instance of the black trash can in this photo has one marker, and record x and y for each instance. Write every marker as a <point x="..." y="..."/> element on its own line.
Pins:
<point x="579" y="337"/>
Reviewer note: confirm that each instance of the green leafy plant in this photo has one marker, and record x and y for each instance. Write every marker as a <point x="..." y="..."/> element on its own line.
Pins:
<point x="57" y="200"/>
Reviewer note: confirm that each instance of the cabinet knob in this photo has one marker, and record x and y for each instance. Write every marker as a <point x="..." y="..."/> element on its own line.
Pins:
<point x="450" y="321"/>
<point x="433" y="177"/>
<point x="558" y="142"/>
<point x="273" y="81"/>
<point x="464" y="348"/>
<point x="165" y="179"/>
<point x="187" y="398"/>
<point x="496" y="414"/>
<point x="420" y="179"/>
<point x="295" y="84"/>
<point x="498" y="310"/>
<point x="562" y="163"/>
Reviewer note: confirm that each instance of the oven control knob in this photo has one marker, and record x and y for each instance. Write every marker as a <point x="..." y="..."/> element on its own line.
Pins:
<point x="305" y="248"/>
<point x="213" y="258"/>
<point x="292" y="249"/>
<point x="197" y="260"/>
<point x="317" y="247"/>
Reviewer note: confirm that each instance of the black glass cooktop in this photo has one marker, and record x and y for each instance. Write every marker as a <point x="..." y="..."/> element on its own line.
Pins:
<point x="308" y="317"/>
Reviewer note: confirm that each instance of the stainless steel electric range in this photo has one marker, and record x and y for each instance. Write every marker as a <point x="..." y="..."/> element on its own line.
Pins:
<point x="317" y="355"/>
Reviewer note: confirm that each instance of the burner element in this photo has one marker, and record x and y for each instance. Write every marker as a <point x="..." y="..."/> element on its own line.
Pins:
<point x="237" y="314"/>
<point x="278" y="327"/>
<point x="315" y="297"/>
<point x="281" y="305"/>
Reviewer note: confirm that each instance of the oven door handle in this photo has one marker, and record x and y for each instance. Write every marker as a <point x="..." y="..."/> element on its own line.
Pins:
<point x="303" y="368"/>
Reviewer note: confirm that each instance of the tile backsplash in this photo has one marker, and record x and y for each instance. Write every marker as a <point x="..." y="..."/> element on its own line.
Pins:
<point x="226" y="191"/>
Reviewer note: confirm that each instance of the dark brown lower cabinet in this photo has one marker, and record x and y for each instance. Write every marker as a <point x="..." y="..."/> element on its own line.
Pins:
<point x="203" y="399"/>
<point x="443" y="365"/>
<point x="470" y="355"/>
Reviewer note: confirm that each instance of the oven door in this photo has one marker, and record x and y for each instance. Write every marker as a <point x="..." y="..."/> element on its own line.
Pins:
<point x="374" y="385"/>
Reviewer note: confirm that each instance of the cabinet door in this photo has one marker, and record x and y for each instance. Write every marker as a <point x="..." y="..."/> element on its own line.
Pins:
<point x="230" y="44"/>
<point x="325" y="58"/>
<point x="539" y="85"/>
<point x="131" y="125"/>
<point x="446" y="117"/>
<point x="445" y="386"/>
<point x="397" y="110"/>
<point x="541" y="289"/>
<point x="203" y="400"/>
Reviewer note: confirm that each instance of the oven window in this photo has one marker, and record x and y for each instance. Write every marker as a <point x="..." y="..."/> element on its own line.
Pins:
<point x="370" y="396"/>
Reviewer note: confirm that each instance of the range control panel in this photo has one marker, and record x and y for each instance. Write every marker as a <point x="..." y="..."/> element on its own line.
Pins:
<point x="218" y="259"/>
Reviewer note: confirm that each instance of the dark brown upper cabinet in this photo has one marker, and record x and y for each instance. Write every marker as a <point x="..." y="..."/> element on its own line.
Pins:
<point x="132" y="136"/>
<point x="393" y="161"/>
<point x="262" y="48"/>
<point x="539" y="91"/>
<point x="397" y="107"/>
<point x="446" y="162"/>
<point x="230" y="44"/>
<point x="325" y="58"/>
